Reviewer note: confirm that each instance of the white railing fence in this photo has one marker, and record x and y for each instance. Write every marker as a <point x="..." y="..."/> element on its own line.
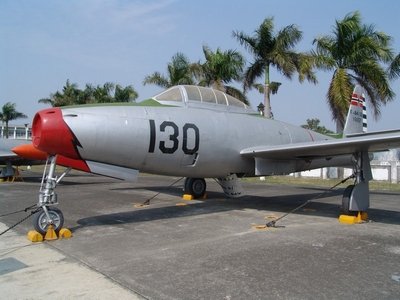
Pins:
<point x="16" y="132"/>
<point x="381" y="170"/>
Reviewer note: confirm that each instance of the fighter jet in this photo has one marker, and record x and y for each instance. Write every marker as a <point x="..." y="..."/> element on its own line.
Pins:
<point x="196" y="132"/>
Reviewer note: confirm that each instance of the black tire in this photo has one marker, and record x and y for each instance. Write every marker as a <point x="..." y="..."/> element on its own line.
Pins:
<point x="40" y="220"/>
<point x="196" y="187"/>
<point x="346" y="200"/>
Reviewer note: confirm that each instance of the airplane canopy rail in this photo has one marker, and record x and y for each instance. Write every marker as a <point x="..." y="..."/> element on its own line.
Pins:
<point x="201" y="97"/>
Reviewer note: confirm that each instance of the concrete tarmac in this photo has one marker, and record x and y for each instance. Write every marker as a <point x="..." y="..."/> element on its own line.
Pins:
<point x="209" y="249"/>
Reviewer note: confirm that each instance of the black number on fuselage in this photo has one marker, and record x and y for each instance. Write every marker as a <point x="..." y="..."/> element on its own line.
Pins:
<point x="172" y="144"/>
<point x="195" y="129"/>
<point x="152" y="136"/>
<point x="173" y="137"/>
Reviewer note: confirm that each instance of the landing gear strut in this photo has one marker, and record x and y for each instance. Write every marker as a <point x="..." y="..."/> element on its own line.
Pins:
<point x="356" y="196"/>
<point x="47" y="197"/>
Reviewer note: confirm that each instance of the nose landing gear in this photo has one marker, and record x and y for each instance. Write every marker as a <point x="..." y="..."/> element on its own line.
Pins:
<point x="49" y="218"/>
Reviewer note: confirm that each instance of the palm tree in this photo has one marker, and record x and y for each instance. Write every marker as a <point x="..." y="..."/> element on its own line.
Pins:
<point x="125" y="94"/>
<point x="274" y="50"/>
<point x="314" y="124"/>
<point x="180" y="71"/>
<point x="219" y="69"/>
<point x="71" y="93"/>
<point x="103" y="94"/>
<point x="9" y="113"/>
<point x="53" y="100"/>
<point x="86" y="96"/>
<point x="108" y="92"/>
<point x="394" y="68"/>
<point x="354" y="52"/>
<point x="273" y="88"/>
<point x="69" y="96"/>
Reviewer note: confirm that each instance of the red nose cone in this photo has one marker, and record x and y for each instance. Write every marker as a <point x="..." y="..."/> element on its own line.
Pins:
<point x="52" y="135"/>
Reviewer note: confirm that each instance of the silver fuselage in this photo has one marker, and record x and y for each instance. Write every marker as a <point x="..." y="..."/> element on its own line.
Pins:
<point x="178" y="141"/>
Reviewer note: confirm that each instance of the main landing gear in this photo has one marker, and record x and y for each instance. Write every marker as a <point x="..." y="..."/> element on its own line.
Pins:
<point x="196" y="188"/>
<point x="49" y="217"/>
<point x="355" y="199"/>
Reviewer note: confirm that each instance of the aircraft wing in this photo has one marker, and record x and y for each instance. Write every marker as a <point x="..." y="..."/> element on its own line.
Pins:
<point x="371" y="142"/>
<point x="7" y="156"/>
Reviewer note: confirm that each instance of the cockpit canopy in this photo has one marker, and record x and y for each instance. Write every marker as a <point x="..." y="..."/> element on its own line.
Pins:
<point x="201" y="97"/>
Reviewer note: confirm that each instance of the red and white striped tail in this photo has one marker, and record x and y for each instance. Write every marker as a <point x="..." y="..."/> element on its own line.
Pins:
<point x="365" y="124"/>
<point x="356" y="121"/>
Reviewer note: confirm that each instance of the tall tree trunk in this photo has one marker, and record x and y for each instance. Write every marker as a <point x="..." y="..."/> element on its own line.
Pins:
<point x="339" y="130"/>
<point x="267" y="101"/>
<point x="339" y="127"/>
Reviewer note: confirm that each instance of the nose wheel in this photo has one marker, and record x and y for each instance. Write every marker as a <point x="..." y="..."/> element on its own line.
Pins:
<point x="46" y="217"/>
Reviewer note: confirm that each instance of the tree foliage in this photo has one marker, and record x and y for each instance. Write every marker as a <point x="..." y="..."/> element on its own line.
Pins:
<point x="179" y="71"/>
<point x="106" y="93"/>
<point x="355" y="53"/>
<point x="9" y="113"/>
<point x="313" y="124"/>
<point x="394" y="68"/>
<point x="221" y="68"/>
<point x="270" y="49"/>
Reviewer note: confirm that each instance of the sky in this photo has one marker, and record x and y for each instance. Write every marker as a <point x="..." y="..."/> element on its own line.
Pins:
<point x="45" y="42"/>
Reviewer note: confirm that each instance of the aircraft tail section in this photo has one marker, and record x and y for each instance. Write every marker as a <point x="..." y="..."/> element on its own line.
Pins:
<point x="356" y="121"/>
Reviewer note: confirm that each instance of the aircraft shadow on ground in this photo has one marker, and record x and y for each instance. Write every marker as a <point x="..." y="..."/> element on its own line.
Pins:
<point x="37" y="180"/>
<point x="27" y="179"/>
<point x="217" y="202"/>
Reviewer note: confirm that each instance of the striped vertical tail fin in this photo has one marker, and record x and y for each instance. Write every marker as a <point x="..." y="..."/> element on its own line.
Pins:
<point x="365" y="124"/>
<point x="357" y="115"/>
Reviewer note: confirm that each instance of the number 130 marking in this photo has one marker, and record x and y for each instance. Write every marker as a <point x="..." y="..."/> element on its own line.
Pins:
<point x="187" y="129"/>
